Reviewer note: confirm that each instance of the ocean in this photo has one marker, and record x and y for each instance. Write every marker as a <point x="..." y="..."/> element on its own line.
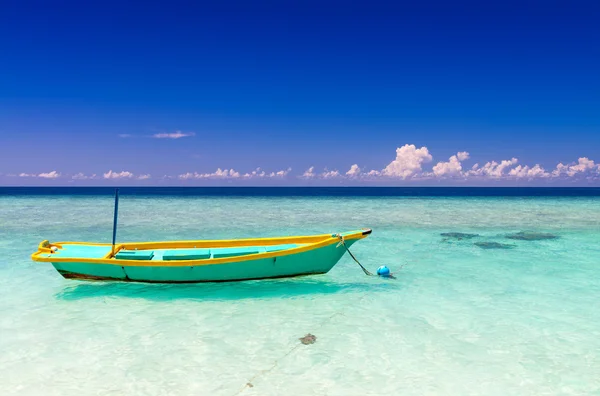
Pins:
<point x="510" y="309"/>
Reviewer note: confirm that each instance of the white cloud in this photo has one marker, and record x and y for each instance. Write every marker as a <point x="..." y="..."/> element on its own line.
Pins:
<point x="81" y="176"/>
<point x="492" y="169"/>
<point x="354" y="171"/>
<point x="309" y="174"/>
<point x="218" y="174"/>
<point x="326" y="174"/>
<point x="174" y="135"/>
<point x="462" y="156"/>
<point x="259" y="173"/>
<point x="255" y="173"/>
<point x="584" y="166"/>
<point x="44" y="175"/>
<point x="118" y="175"/>
<point x="409" y="161"/>
<point x="188" y="175"/>
<point x="522" y="172"/>
<point x="451" y="168"/>
<point x="560" y="170"/>
<point x="408" y="164"/>
<point x="49" y="175"/>
<point x="224" y="173"/>
<point x="281" y="173"/>
<point x="330" y="174"/>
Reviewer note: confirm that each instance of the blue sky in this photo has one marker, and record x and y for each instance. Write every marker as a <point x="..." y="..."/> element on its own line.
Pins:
<point x="299" y="84"/>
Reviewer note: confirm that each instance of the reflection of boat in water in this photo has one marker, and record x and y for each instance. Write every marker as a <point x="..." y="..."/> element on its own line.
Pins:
<point x="197" y="261"/>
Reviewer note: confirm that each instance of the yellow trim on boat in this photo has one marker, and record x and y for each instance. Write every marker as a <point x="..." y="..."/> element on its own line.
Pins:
<point x="312" y="242"/>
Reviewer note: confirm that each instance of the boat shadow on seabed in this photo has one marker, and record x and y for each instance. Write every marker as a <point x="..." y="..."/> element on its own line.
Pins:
<point x="260" y="289"/>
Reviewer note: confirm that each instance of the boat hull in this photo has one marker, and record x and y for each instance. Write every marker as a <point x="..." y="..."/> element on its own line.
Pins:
<point x="316" y="261"/>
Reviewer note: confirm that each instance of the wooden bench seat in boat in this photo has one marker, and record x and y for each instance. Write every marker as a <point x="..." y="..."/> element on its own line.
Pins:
<point x="135" y="254"/>
<point x="240" y="251"/>
<point x="203" y="253"/>
<point x="186" y="254"/>
<point x="236" y="251"/>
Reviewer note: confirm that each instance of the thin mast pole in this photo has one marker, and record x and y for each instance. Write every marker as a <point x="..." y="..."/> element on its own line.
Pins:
<point x="114" y="236"/>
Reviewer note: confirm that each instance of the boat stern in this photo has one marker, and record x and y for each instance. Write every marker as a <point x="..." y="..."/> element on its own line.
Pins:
<point x="44" y="250"/>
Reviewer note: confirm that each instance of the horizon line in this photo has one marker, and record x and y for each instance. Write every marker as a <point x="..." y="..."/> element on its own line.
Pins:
<point x="273" y="187"/>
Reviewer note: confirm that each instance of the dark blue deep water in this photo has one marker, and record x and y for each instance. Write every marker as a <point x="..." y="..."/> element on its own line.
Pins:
<point x="313" y="191"/>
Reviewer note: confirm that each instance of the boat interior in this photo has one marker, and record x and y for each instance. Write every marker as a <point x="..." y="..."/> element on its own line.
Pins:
<point x="184" y="250"/>
<point x="169" y="254"/>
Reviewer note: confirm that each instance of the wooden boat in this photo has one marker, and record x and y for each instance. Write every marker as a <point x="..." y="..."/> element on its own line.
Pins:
<point x="197" y="261"/>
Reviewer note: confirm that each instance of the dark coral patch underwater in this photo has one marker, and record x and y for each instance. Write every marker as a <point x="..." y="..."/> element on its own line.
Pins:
<point x="531" y="236"/>
<point x="458" y="235"/>
<point x="493" y="245"/>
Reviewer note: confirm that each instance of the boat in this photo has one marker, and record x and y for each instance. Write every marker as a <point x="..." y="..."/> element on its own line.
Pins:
<point x="198" y="260"/>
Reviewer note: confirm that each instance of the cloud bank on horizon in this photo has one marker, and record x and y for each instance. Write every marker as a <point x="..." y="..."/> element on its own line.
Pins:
<point x="409" y="165"/>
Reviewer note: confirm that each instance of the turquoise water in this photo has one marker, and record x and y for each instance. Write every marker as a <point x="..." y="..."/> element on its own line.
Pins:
<point x="459" y="319"/>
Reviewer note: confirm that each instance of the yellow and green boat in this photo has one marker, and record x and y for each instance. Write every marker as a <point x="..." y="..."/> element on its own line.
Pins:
<point x="197" y="261"/>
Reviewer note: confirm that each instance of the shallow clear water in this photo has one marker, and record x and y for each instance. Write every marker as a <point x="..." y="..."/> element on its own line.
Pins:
<point x="459" y="319"/>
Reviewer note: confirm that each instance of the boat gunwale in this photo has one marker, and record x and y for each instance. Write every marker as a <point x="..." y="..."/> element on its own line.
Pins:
<point x="321" y="241"/>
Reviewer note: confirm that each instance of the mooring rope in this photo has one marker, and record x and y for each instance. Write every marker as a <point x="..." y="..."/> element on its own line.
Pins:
<point x="343" y="243"/>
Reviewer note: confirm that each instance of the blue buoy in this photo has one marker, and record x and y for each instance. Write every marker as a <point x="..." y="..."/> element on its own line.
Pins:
<point x="383" y="271"/>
